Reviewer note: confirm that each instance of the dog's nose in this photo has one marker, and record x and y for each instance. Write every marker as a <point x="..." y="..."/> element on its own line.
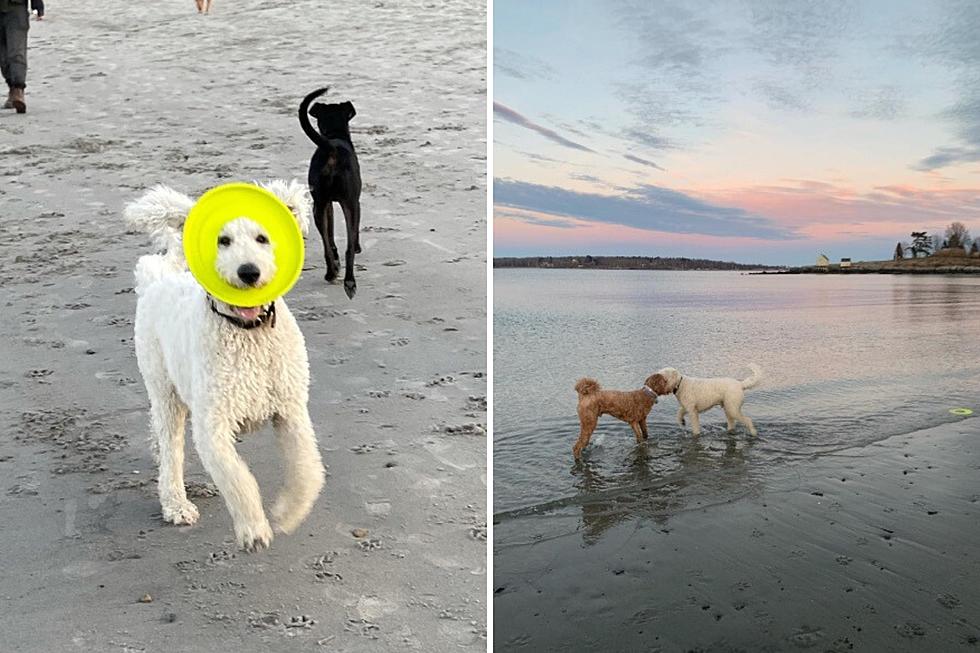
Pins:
<point x="249" y="273"/>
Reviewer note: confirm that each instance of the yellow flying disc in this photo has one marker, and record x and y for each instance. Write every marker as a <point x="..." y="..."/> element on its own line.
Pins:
<point x="961" y="411"/>
<point x="228" y="202"/>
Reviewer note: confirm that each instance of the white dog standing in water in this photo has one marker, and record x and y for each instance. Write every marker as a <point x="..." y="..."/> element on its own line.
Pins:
<point x="698" y="395"/>
<point x="231" y="368"/>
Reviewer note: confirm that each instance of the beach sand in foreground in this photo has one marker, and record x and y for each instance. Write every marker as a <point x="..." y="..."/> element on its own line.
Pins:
<point x="869" y="549"/>
<point x="124" y="98"/>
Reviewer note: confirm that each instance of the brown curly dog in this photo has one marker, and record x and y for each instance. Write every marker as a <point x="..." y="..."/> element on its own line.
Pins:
<point x="631" y="407"/>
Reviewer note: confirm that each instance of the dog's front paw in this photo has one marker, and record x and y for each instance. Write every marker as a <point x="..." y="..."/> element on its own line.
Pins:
<point x="350" y="287"/>
<point x="180" y="512"/>
<point x="254" y="537"/>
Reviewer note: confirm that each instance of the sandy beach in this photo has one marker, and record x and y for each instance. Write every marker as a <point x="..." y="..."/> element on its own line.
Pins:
<point x="124" y="97"/>
<point x="869" y="549"/>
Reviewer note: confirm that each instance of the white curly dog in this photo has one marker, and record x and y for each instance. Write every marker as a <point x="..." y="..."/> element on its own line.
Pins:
<point x="231" y="368"/>
<point x="698" y="395"/>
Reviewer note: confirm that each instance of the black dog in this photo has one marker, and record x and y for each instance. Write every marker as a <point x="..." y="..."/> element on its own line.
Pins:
<point x="335" y="176"/>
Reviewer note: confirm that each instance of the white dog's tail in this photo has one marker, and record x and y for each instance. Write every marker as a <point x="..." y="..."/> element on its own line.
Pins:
<point x="754" y="379"/>
<point x="160" y="212"/>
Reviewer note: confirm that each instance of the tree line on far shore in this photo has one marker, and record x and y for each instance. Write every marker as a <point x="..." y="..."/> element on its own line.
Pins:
<point x="957" y="237"/>
<point x="622" y="263"/>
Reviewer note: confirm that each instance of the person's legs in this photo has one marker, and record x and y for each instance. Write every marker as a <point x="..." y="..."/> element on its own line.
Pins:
<point x="4" y="68"/>
<point x="38" y="6"/>
<point x="13" y="53"/>
<point x="14" y="25"/>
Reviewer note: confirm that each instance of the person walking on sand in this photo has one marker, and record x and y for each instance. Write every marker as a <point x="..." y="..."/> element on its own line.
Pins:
<point x="203" y="6"/>
<point x="37" y="6"/>
<point x="14" y="23"/>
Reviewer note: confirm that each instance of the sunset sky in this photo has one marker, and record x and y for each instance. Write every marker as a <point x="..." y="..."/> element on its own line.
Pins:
<point x="760" y="132"/>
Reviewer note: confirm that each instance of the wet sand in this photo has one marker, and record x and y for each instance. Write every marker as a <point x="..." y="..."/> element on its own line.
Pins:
<point x="870" y="548"/>
<point x="120" y="99"/>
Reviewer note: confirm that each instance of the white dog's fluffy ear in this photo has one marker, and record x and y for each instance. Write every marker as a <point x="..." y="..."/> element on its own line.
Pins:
<point x="160" y="212"/>
<point x="294" y="195"/>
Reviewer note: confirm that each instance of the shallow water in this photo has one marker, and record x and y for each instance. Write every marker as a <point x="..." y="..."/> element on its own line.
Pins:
<point x="848" y="360"/>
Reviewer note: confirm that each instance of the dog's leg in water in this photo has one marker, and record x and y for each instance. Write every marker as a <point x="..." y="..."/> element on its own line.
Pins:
<point x="695" y="423"/>
<point x="304" y="470"/>
<point x="680" y="416"/>
<point x="168" y="416"/>
<point x="744" y="419"/>
<point x="588" y="424"/>
<point x="214" y="438"/>
<point x="730" y="418"/>
<point x="638" y="431"/>
<point x="323" y="218"/>
<point x="352" y="216"/>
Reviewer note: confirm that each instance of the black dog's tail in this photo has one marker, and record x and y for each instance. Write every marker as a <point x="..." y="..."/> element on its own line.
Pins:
<point x="304" y="118"/>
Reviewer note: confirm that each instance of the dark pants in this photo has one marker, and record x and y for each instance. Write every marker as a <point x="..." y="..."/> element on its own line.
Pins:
<point x="14" y="24"/>
<point x="38" y="6"/>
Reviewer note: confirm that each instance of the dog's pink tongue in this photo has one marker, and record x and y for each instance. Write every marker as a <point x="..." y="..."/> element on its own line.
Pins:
<point x="248" y="313"/>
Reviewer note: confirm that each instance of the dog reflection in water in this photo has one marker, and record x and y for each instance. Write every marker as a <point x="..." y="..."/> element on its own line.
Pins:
<point x="656" y="483"/>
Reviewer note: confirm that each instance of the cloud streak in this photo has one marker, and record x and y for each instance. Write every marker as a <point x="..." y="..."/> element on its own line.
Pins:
<point x="645" y="207"/>
<point x="957" y="47"/>
<point x="509" y="115"/>
<point x="641" y="161"/>
<point x="531" y="218"/>
<point x="520" y="65"/>
<point x="966" y="117"/>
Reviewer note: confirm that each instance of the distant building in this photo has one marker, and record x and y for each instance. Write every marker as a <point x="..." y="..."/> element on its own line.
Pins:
<point x="845" y="262"/>
<point x="823" y="261"/>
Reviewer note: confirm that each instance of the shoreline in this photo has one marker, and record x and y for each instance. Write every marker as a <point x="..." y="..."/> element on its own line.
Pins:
<point x="588" y="262"/>
<point x="859" y="269"/>
<point x="930" y="265"/>
<point x="869" y="548"/>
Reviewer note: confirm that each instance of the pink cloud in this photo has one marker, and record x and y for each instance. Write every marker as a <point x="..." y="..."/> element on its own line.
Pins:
<point x="832" y="218"/>
<point x="817" y="208"/>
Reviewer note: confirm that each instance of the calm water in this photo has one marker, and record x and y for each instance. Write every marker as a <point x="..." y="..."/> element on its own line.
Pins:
<point x="847" y="359"/>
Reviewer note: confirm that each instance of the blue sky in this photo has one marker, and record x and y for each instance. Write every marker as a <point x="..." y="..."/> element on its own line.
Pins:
<point x="753" y="131"/>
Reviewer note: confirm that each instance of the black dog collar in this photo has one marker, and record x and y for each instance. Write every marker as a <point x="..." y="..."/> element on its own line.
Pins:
<point x="267" y="315"/>
<point x="678" y="386"/>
